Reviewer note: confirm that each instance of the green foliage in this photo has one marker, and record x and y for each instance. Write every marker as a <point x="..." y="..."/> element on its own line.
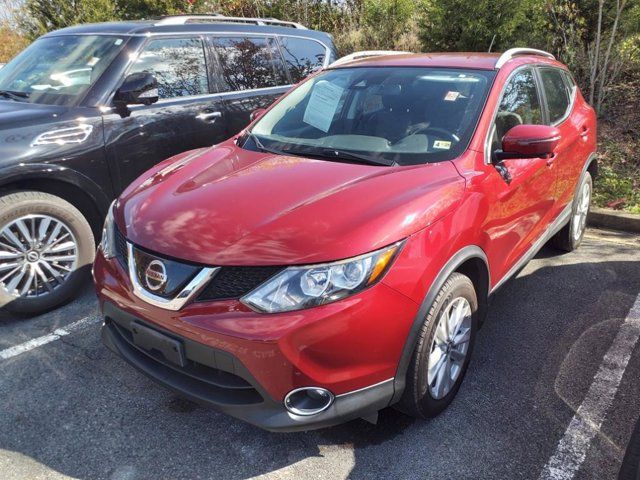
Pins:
<point x="462" y="25"/>
<point x="42" y="16"/>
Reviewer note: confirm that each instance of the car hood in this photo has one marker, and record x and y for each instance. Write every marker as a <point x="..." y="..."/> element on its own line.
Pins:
<point x="229" y="206"/>
<point x="15" y="114"/>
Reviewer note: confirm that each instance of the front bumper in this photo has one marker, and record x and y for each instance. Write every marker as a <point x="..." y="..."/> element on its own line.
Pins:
<point x="218" y="379"/>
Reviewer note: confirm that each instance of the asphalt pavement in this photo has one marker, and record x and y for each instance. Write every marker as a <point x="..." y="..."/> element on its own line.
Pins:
<point x="544" y="360"/>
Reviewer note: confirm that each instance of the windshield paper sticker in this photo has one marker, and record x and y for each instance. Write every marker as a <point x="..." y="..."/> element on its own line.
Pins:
<point x="451" y="96"/>
<point x="441" y="144"/>
<point x="322" y="105"/>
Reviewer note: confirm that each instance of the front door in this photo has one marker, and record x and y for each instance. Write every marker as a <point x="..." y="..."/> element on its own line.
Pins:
<point x="523" y="189"/>
<point x="188" y="114"/>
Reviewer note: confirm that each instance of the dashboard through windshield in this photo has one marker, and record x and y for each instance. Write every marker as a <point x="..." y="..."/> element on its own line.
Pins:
<point x="384" y="115"/>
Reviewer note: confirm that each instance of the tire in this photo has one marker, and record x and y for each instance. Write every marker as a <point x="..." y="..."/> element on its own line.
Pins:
<point x="46" y="251"/>
<point x="422" y="397"/>
<point x="571" y="235"/>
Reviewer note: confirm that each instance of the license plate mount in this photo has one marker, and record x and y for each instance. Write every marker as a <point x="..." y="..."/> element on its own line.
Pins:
<point x="149" y="339"/>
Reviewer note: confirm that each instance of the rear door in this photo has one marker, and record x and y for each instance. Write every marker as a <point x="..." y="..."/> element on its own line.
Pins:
<point x="189" y="113"/>
<point x="523" y="189"/>
<point x="251" y="74"/>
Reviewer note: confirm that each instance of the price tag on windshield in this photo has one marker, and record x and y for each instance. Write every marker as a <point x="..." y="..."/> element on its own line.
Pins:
<point x="322" y="105"/>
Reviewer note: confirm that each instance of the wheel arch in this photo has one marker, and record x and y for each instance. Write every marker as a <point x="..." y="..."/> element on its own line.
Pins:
<point x="470" y="261"/>
<point x="70" y="185"/>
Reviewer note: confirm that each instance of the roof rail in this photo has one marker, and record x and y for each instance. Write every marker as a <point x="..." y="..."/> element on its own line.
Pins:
<point x="514" y="52"/>
<point x="219" y="18"/>
<point x="365" y="54"/>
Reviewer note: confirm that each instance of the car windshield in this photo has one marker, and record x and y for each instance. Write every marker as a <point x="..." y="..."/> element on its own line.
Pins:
<point x="377" y="115"/>
<point x="58" y="70"/>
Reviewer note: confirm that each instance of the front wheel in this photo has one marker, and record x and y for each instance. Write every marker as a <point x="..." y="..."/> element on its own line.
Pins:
<point x="443" y="350"/>
<point x="46" y="250"/>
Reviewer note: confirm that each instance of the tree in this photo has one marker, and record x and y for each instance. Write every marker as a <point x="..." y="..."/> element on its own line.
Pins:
<point x="42" y="16"/>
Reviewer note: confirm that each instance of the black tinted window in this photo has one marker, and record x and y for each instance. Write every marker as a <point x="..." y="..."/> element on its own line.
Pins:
<point x="177" y="63"/>
<point x="302" y="56"/>
<point x="556" y="91"/>
<point x="249" y="63"/>
<point x="519" y="104"/>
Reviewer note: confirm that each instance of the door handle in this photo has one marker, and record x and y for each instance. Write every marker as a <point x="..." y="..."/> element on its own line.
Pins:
<point x="584" y="131"/>
<point x="209" y="117"/>
<point x="550" y="159"/>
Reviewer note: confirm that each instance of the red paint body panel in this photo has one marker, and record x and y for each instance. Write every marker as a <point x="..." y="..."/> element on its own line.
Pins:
<point x="228" y="206"/>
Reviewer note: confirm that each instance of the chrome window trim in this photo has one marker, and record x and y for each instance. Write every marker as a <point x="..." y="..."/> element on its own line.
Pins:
<point x="201" y="36"/>
<point x="487" y="153"/>
<point x="186" y="294"/>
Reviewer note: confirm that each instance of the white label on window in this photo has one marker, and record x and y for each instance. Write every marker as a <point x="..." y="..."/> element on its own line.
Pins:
<point x="451" y="96"/>
<point x="322" y="105"/>
<point x="441" y="144"/>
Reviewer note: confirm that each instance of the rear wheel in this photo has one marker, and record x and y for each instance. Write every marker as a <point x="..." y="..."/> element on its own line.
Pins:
<point x="570" y="237"/>
<point x="443" y="351"/>
<point x="46" y="249"/>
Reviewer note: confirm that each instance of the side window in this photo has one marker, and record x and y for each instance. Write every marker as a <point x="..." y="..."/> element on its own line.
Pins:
<point x="177" y="63"/>
<point x="249" y="63"/>
<point x="302" y="57"/>
<point x="556" y="91"/>
<point x="520" y="104"/>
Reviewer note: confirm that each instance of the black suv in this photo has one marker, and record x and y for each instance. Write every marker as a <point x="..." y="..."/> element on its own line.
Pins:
<point x="86" y="109"/>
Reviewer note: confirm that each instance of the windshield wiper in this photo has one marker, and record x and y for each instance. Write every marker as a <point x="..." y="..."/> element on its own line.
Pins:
<point x="17" y="96"/>
<point x="337" y="154"/>
<point x="261" y="146"/>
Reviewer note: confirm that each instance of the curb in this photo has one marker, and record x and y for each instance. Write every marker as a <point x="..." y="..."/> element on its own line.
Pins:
<point x="614" y="220"/>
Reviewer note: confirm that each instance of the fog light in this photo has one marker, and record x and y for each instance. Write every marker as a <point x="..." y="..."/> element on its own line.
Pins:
<point x="308" y="400"/>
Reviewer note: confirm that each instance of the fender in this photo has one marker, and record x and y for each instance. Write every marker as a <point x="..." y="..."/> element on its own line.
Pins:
<point x="461" y="256"/>
<point x="55" y="173"/>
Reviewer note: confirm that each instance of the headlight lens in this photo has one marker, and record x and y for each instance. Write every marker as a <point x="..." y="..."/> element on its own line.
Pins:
<point x="302" y="287"/>
<point x="108" y="242"/>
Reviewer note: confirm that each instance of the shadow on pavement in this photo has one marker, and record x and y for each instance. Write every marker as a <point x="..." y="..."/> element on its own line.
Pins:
<point x="80" y="411"/>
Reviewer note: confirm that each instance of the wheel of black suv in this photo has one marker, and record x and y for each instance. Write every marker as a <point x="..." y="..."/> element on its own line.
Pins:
<point x="443" y="350"/>
<point x="570" y="237"/>
<point x="46" y="251"/>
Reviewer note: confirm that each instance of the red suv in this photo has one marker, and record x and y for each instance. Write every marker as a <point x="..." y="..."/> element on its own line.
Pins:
<point x="338" y="255"/>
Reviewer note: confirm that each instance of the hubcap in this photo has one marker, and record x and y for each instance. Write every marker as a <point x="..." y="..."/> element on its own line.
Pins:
<point x="449" y="348"/>
<point x="582" y="209"/>
<point x="37" y="255"/>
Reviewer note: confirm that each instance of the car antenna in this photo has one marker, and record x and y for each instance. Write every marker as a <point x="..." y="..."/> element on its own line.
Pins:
<point x="492" y="40"/>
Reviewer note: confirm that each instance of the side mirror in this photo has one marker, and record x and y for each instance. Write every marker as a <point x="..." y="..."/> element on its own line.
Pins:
<point x="257" y="114"/>
<point x="138" y="88"/>
<point x="529" y="141"/>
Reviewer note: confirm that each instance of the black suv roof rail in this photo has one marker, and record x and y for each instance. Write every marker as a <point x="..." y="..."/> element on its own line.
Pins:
<point x="219" y="18"/>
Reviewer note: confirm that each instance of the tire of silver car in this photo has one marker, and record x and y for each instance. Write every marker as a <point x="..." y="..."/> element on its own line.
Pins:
<point x="570" y="237"/>
<point x="443" y="349"/>
<point x="46" y="251"/>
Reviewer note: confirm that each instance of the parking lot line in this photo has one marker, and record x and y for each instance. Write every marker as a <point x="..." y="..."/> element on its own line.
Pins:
<point x="50" y="337"/>
<point x="585" y="424"/>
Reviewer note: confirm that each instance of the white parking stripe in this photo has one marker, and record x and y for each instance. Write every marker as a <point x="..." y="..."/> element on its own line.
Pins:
<point x="55" y="335"/>
<point x="585" y="424"/>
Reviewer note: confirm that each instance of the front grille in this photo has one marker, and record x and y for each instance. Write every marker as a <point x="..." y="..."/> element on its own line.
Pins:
<point x="234" y="282"/>
<point x="122" y="253"/>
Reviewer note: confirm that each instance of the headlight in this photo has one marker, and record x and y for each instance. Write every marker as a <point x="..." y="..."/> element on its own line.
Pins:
<point x="303" y="287"/>
<point x="108" y="242"/>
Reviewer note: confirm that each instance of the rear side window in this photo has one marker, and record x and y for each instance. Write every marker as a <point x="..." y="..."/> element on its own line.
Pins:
<point x="556" y="91"/>
<point x="177" y="63"/>
<point x="520" y="104"/>
<point x="302" y="56"/>
<point x="249" y="62"/>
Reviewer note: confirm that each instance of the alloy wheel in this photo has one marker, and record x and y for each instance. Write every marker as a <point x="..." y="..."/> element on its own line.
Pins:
<point x="37" y="255"/>
<point x="582" y="209"/>
<point x="449" y="347"/>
